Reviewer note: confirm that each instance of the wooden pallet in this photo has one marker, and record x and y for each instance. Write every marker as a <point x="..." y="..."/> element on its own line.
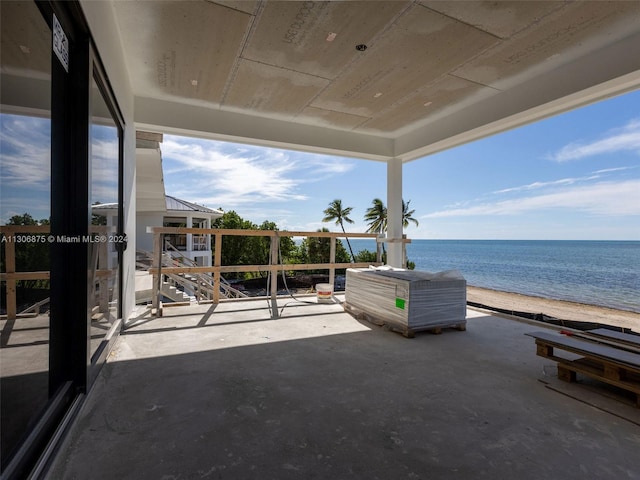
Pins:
<point x="411" y="332"/>
<point x="604" y="362"/>
<point x="405" y="330"/>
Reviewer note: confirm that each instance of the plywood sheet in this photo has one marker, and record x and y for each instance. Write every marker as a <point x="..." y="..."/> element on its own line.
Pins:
<point x="564" y="34"/>
<point x="330" y="118"/>
<point x="317" y="38"/>
<point x="265" y="88"/>
<point x="422" y="46"/>
<point x="187" y="49"/>
<point x="442" y="96"/>
<point x="502" y="19"/>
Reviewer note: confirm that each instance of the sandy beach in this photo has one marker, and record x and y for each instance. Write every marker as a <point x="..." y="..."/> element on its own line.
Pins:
<point x="554" y="308"/>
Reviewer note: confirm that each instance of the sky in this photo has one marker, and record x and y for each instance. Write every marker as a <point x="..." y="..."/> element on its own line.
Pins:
<point x="575" y="176"/>
<point x="25" y="169"/>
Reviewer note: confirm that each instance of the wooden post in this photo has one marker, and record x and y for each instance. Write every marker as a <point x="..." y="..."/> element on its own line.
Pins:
<point x="404" y="252"/>
<point x="565" y="374"/>
<point x="217" y="261"/>
<point x="104" y="281"/>
<point x="273" y="273"/>
<point x="613" y="372"/>
<point x="10" y="268"/>
<point x="157" y="278"/>
<point x="332" y="259"/>
<point x="544" y="350"/>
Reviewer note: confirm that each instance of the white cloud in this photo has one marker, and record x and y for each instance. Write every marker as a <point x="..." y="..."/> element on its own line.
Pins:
<point x="37" y="204"/>
<point x="554" y="183"/>
<point x="104" y="171"/>
<point x="604" y="198"/>
<point x="229" y="175"/>
<point x="609" y="170"/>
<point x="26" y="152"/>
<point x="626" y="138"/>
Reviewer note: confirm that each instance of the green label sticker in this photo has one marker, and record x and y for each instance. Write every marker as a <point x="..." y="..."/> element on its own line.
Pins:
<point x="400" y="303"/>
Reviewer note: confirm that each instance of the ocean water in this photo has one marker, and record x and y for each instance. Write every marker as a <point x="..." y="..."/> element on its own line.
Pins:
<point x="604" y="273"/>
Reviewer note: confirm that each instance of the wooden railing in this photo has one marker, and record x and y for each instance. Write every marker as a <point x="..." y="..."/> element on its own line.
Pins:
<point x="10" y="276"/>
<point x="273" y="268"/>
<point x="12" y="235"/>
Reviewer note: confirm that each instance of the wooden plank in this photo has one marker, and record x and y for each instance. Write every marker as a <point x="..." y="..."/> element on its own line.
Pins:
<point x="256" y="233"/>
<point x="595" y="364"/>
<point x="13" y="229"/>
<point x="584" y="347"/>
<point x="25" y="276"/>
<point x="627" y="338"/>
<point x="260" y="268"/>
<point x="603" y="339"/>
<point x="405" y="330"/>
<point x="596" y="370"/>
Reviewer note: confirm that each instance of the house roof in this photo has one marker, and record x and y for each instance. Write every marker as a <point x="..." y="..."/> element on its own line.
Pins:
<point x="176" y="204"/>
<point x="173" y="204"/>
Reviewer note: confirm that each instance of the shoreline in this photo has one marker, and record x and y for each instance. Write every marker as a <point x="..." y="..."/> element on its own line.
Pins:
<point x="561" y="309"/>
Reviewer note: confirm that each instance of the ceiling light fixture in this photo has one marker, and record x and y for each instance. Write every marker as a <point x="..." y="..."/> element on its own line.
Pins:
<point x="361" y="47"/>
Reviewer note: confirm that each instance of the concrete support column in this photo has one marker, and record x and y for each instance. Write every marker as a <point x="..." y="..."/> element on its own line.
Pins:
<point x="395" y="257"/>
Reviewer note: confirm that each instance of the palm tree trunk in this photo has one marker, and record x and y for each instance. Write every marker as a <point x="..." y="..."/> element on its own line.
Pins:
<point x="353" y="257"/>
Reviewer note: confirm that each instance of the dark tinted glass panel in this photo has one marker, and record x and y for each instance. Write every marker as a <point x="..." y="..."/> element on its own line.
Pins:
<point x="25" y="190"/>
<point x="104" y="190"/>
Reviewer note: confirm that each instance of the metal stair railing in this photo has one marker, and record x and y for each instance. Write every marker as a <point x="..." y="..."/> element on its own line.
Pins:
<point x="35" y="308"/>
<point x="200" y="283"/>
<point x="206" y="278"/>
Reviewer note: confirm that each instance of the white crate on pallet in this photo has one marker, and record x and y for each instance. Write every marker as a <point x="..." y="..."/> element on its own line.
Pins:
<point x="408" y="299"/>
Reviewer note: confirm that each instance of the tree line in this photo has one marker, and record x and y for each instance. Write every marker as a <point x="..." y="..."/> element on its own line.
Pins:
<point x="256" y="250"/>
<point x="376" y="215"/>
<point x="250" y="250"/>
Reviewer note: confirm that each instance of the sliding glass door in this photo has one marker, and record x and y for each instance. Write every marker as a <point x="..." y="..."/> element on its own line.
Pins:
<point x="61" y="230"/>
<point x="107" y="239"/>
<point x="25" y="212"/>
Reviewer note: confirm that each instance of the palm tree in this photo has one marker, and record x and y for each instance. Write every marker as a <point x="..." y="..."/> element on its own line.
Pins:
<point x="407" y="215"/>
<point x="336" y="213"/>
<point x="376" y="215"/>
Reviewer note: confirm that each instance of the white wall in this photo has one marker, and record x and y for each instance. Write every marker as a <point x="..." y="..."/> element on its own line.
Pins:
<point x="144" y="240"/>
<point x="101" y="20"/>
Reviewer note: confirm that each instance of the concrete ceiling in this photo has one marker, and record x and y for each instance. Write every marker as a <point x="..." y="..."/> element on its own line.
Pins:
<point x="291" y="74"/>
<point x="434" y="74"/>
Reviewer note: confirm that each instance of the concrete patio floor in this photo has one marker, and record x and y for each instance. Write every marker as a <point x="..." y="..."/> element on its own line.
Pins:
<point x="226" y="392"/>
